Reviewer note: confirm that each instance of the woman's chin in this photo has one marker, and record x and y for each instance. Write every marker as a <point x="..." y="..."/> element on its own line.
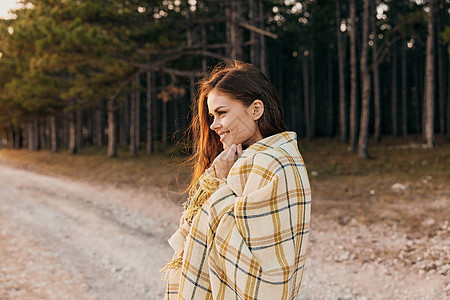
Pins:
<point x="226" y="144"/>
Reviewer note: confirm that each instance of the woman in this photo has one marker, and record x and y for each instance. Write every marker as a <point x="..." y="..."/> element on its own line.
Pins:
<point x="244" y="231"/>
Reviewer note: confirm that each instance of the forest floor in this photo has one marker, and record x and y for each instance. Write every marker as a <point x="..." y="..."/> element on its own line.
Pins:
<point x="88" y="227"/>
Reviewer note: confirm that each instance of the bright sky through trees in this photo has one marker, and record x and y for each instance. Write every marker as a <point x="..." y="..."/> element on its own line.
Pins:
<point x="5" y="6"/>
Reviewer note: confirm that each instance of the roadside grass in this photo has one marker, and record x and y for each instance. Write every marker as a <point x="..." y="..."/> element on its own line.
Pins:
<point x="402" y="184"/>
<point x="344" y="187"/>
<point x="142" y="171"/>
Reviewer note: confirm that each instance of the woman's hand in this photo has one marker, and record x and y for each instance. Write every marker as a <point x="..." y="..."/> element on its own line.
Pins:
<point x="226" y="159"/>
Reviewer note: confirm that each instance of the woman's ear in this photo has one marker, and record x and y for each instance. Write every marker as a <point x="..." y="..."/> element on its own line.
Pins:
<point x="257" y="109"/>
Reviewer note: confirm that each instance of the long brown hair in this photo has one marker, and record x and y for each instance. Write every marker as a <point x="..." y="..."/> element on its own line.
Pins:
<point x="241" y="81"/>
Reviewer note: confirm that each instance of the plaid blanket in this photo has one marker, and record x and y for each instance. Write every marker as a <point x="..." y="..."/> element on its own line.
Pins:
<point x="248" y="239"/>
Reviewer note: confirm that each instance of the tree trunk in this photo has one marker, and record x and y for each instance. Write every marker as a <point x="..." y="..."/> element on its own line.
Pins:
<point x="72" y="130"/>
<point x="17" y="137"/>
<point x="237" y="39"/>
<point x="404" y="91"/>
<point x="48" y="132"/>
<point x="251" y="13"/>
<point x="10" y="136"/>
<point x="441" y="80"/>
<point x="175" y="121"/>
<point x="89" y="127"/>
<point x="233" y="27"/>
<point x="313" y="93"/>
<point x="192" y="90"/>
<point x="429" y="78"/>
<point x="365" y="76"/>
<point x="292" y="113"/>
<point x="306" y="95"/>
<point x="155" y="117"/>
<point x="204" y="65"/>
<point x="36" y="145"/>
<point x="228" y="29"/>
<point x="448" y="96"/>
<point x="149" y="112"/>
<point x="79" y="128"/>
<point x="192" y="98"/>
<point x="280" y="71"/>
<point x="26" y="136"/>
<point x="42" y="139"/>
<point x="341" y="66"/>
<point x="376" y="76"/>
<point x="164" y="118"/>
<point x="188" y="27"/>
<point x="65" y="130"/>
<point x="137" y="128"/>
<point x="394" y="92"/>
<point x="422" y="102"/>
<point x="262" y="38"/>
<point x="330" y="106"/>
<point x="98" y="125"/>
<point x="33" y="142"/>
<point x="132" y="125"/>
<point x="353" y="78"/>
<point x="112" y="145"/>
<point x="53" y="135"/>
<point x="126" y="121"/>
<point x="417" y="119"/>
<point x="123" y="141"/>
<point x="29" y="136"/>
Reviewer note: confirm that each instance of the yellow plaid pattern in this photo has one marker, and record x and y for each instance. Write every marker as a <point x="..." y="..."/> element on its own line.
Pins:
<point x="249" y="239"/>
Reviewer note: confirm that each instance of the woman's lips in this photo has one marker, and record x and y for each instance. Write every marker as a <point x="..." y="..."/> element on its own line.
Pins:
<point x="223" y="135"/>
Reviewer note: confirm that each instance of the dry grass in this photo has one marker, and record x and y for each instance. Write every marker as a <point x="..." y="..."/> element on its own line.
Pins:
<point x="92" y="165"/>
<point x="344" y="186"/>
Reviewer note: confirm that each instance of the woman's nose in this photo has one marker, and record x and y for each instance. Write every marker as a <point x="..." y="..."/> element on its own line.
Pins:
<point x="215" y="124"/>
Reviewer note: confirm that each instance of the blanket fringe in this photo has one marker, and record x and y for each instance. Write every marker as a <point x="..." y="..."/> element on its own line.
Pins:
<point x="174" y="264"/>
<point x="198" y="194"/>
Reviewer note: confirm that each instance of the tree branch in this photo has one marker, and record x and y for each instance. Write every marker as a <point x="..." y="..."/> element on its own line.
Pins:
<point x="258" y="30"/>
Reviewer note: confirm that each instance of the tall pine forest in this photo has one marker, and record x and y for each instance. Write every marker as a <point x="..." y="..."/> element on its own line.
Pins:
<point x="122" y="74"/>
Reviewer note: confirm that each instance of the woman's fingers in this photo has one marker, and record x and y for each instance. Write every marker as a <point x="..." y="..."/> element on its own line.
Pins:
<point x="231" y="153"/>
<point x="226" y="159"/>
<point x="239" y="150"/>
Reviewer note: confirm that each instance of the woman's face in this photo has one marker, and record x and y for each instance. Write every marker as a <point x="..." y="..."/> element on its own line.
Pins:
<point x="233" y="121"/>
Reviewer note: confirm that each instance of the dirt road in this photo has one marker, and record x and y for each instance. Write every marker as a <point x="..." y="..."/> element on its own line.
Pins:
<point x="61" y="239"/>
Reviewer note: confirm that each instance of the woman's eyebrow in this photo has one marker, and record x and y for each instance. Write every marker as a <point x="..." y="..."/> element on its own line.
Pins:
<point x="217" y="108"/>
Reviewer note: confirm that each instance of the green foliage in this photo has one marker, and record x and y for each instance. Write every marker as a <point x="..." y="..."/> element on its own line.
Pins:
<point x="58" y="51"/>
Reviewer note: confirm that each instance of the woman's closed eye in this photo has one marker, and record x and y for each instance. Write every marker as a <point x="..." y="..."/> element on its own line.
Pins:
<point x="220" y="113"/>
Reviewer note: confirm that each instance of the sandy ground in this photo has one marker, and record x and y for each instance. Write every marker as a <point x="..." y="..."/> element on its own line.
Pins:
<point x="61" y="239"/>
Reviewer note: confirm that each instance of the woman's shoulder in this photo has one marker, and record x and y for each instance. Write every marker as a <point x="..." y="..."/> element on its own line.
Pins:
<point x="268" y="161"/>
<point x="280" y="150"/>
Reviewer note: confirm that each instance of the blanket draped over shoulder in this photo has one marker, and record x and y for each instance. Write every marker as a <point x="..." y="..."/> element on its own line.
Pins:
<point x="245" y="237"/>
